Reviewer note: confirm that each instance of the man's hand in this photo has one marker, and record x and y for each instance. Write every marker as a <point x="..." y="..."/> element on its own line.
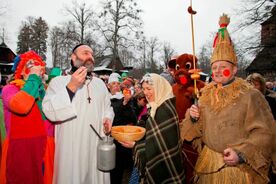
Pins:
<point x="194" y="111"/>
<point x="230" y="157"/>
<point x="107" y="126"/>
<point x="77" y="79"/>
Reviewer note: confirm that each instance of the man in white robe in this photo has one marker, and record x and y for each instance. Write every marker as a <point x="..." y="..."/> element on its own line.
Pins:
<point x="76" y="101"/>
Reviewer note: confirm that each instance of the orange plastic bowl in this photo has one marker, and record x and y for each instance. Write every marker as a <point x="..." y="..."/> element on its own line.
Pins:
<point x="127" y="133"/>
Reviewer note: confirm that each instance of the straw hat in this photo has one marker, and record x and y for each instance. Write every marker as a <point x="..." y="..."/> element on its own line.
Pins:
<point x="223" y="47"/>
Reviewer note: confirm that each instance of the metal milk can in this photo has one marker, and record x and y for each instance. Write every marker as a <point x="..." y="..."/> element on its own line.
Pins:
<point x="106" y="151"/>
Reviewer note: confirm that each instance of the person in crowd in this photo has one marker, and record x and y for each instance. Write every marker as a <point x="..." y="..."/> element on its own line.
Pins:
<point x="168" y="73"/>
<point x="258" y="81"/>
<point x="233" y="122"/>
<point x="77" y="101"/>
<point x="128" y="85"/>
<point x="124" y="115"/>
<point x="124" y="75"/>
<point x="28" y="147"/>
<point x="137" y="88"/>
<point x="158" y="155"/>
<point x="269" y="85"/>
<point x="140" y="105"/>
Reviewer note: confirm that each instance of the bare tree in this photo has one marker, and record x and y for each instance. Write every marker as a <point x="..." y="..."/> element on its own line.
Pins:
<point x="203" y="57"/>
<point x="252" y="13"/>
<point x="62" y="40"/>
<point x="3" y="7"/>
<point x="119" y="24"/>
<point x="143" y="49"/>
<point x="153" y="50"/>
<point x="83" y="16"/>
<point x="127" y="57"/>
<point x="56" y="40"/>
<point x="168" y="52"/>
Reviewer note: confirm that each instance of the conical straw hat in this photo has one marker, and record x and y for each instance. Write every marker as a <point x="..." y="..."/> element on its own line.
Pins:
<point x="223" y="47"/>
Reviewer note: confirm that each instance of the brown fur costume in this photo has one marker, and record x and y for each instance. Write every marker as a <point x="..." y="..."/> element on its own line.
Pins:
<point x="183" y="90"/>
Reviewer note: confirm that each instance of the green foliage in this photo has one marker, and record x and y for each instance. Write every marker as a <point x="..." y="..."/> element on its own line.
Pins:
<point x="33" y="36"/>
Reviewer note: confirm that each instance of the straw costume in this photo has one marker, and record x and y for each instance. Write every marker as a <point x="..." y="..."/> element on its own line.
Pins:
<point x="233" y="115"/>
<point x="158" y="156"/>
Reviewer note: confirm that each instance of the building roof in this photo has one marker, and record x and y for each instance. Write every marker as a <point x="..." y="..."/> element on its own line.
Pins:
<point x="264" y="61"/>
<point x="6" y="54"/>
<point x="105" y="63"/>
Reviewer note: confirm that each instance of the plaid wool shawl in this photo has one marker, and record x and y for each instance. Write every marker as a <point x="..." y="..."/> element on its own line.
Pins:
<point x="158" y="156"/>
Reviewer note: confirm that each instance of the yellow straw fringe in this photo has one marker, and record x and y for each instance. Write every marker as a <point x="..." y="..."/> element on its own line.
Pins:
<point x="219" y="97"/>
<point x="210" y="169"/>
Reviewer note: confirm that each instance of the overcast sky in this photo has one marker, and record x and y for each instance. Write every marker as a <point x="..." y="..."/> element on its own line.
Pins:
<point x="166" y="19"/>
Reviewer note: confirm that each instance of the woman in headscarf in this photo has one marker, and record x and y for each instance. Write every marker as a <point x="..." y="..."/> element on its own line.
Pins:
<point x="158" y="156"/>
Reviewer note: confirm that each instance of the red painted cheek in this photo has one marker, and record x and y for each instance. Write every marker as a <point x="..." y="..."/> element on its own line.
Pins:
<point x="226" y="72"/>
<point x="212" y="75"/>
<point x="27" y="71"/>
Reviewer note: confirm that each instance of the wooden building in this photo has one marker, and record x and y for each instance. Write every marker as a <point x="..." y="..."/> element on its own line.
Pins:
<point x="6" y="61"/>
<point x="265" y="61"/>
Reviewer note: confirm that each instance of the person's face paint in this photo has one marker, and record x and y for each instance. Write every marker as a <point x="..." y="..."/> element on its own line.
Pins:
<point x="34" y="66"/>
<point x="223" y="71"/>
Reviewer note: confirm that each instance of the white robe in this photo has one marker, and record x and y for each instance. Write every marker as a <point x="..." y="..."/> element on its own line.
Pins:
<point x="76" y="143"/>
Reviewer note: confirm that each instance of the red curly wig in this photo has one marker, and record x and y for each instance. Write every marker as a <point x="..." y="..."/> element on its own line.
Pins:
<point x="24" y="59"/>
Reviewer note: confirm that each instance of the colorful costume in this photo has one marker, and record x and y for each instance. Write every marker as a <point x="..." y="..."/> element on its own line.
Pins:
<point x="28" y="148"/>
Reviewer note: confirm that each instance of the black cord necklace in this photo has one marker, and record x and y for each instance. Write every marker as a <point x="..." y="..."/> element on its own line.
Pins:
<point x="87" y="87"/>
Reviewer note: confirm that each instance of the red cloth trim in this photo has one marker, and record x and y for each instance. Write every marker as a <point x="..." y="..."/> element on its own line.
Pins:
<point x="223" y="25"/>
<point x="215" y="40"/>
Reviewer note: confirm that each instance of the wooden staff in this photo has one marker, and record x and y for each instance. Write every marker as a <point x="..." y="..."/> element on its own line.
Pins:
<point x="194" y="72"/>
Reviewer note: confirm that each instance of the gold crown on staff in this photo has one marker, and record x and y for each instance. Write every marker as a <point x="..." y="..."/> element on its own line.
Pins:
<point x="223" y="47"/>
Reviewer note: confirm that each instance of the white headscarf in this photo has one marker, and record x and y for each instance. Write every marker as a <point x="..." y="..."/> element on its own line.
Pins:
<point x="162" y="90"/>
